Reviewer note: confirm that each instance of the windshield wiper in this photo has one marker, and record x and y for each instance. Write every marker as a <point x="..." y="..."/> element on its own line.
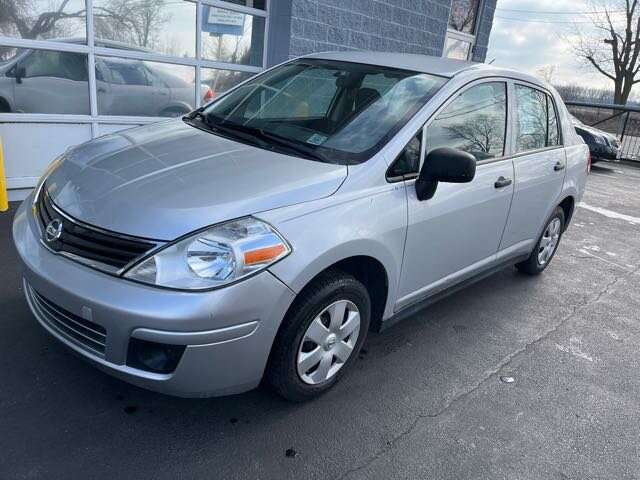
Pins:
<point x="289" y="144"/>
<point x="225" y="130"/>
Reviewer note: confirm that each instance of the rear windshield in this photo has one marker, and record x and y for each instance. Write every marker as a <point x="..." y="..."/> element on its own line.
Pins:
<point x="341" y="111"/>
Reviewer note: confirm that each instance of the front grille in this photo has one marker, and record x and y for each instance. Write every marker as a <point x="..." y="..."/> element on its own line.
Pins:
<point x="84" y="333"/>
<point x="100" y="249"/>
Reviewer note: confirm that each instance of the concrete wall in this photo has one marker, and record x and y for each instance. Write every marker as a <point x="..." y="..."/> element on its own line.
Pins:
<point x="300" y="27"/>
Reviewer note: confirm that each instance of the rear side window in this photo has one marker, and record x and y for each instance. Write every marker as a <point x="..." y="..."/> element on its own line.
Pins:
<point x="475" y="122"/>
<point x="553" y="137"/>
<point x="537" y="124"/>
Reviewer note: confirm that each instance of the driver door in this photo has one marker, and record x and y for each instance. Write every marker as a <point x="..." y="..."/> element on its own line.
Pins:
<point x="456" y="234"/>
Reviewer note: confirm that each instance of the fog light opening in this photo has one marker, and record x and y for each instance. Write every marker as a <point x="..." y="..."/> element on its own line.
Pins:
<point x="154" y="357"/>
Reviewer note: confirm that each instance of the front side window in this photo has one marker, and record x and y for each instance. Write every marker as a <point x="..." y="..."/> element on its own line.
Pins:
<point x="537" y="125"/>
<point x="45" y="63"/>
<point x="338" y="112"/>
<point x="475" y="122"/>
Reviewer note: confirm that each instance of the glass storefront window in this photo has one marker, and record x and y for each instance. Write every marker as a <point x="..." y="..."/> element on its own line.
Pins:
<point x="232" y="37"/>
<point x="258" y="4"/>
<point x="44" y="20"/>
<point x="222" y="80"/>
<point x="143" y="88"/>
<point x="43" y="81"/>
<point x="167" y="27"/>
<point x="458" y="49"/>
<point x="463" y="15"/>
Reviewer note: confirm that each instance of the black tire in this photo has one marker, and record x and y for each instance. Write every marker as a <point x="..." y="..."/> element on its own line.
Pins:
<point x="4" y="106"/>
<point x="531" y="265"/>
<point x="329" y="287"/>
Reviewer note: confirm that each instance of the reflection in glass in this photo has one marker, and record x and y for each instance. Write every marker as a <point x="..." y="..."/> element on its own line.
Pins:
<point x="554" y="133"/>
<point x="458" y="49"/>
<point x="475" y="122"/>
<point x="43" y="19"/>
<point x="532" y="118"/>
<point x="141" y="88"/>
<point x="232" y="37"/>
<point x="259" y="4"/>
<point x="222" y="80"/>
<point x="42" y="81"/>
<point x="162" y="26"/>
<point x="463" y="15"/>
<point x="339" y="110"/>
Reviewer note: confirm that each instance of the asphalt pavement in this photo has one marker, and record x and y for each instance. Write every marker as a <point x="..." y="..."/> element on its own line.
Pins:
<point x="515" y="377"/>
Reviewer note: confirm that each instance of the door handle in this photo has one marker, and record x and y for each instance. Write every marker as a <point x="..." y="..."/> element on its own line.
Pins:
<point x="558" y="166"/>
<point x="502" y="182"/>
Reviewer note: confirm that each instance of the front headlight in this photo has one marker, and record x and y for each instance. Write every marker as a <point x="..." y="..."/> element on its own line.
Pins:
<point x="215" y="257"/>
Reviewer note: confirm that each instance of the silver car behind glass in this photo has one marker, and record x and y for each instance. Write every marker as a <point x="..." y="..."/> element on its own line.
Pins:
<point x="264" y="234"/>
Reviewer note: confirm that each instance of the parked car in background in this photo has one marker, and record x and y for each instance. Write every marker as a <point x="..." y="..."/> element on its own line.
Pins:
<point x="124" y="86"/>
<point x="602" y="145"/>
<point x="266" y="233"/>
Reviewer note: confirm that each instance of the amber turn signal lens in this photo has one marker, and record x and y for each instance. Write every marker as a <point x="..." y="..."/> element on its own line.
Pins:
<point x="263" y="254"/>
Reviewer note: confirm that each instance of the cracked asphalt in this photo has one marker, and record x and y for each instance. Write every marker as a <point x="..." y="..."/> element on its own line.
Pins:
<point x="425" y="399"/>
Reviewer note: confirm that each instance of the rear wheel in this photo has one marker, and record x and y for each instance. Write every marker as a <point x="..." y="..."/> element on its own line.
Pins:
<point x="547" y="245"/>
<point x="320" y="336"/>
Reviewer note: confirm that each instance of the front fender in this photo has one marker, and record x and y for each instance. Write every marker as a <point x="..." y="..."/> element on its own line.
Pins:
<point x="374" y="225"/>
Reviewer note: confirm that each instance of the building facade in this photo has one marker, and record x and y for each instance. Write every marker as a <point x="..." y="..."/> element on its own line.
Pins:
<point x="73" y="70"/>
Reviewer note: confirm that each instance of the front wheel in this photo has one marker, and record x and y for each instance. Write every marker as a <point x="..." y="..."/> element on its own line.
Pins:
<point x="320" y="336"/>
<point x="547" y="245"/>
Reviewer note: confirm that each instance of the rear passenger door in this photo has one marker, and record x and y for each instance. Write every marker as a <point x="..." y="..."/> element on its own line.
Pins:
<point x="456" y="234"/>
<point x="539" y="163"/>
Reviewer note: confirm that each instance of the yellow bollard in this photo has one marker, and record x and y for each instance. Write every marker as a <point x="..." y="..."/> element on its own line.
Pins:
<point x="4" y="199"/>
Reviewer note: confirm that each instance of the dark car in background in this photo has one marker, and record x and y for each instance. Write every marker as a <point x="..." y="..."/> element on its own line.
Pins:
<point x="602" y="145"/>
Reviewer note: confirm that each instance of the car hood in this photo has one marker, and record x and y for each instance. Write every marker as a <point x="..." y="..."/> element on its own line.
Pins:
<point x="165" y="180"/>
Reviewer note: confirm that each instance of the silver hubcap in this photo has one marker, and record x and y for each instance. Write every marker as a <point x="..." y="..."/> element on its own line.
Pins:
<point x="549" y="241"/>
<point x="328" y="342"/>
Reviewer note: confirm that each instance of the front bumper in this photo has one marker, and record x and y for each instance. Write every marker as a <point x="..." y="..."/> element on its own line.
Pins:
<point x="228" y="332"/>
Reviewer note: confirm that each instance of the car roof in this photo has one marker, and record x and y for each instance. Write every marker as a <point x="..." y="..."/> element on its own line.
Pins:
<point x="443" y="67"/>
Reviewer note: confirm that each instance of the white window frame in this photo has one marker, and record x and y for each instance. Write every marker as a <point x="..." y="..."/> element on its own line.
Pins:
<point x="465" y="37"/>
<point x="94" y="119"/>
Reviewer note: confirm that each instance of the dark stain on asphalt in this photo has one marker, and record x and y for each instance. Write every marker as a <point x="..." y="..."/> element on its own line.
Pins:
<point x="233" y="420"/>
<point x="130" y="409"/>
<point x="291" y="453"/>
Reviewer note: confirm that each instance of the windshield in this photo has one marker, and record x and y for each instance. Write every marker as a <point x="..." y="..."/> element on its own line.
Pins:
<point x="337" y="112"/>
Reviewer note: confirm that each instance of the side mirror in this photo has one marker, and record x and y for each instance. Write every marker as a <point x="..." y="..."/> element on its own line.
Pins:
<point x="444" y="165"/>
<point x="19" y="73"/>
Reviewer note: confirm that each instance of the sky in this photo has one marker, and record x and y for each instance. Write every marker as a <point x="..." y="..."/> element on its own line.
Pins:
<point x="533" y="41"/>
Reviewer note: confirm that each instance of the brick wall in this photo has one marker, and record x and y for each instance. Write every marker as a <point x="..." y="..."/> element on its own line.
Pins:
<point x="300" y="27"/>
<point x="410" y="26"/>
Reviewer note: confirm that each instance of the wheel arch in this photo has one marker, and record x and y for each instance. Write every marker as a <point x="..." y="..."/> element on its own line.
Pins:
<point x="368" y="270"/>
<point x="568" y="205"/>
<point x="5" y="106"/>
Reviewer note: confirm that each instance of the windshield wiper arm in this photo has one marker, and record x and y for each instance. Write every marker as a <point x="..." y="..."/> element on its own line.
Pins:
<point x="287" y="143"/>
<point x="226" y="130"/>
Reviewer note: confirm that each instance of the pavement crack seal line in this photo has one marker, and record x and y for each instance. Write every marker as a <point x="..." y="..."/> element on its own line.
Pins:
<point x="488" y="374"/>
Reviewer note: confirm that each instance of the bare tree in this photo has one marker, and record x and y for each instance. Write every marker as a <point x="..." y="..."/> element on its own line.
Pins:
<point x="483" y="134"/>
<point x="547" y="72"/>
<point x="613" y="46"/>
<point x="21" y="18"/>
<point x="135" y="22"/>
